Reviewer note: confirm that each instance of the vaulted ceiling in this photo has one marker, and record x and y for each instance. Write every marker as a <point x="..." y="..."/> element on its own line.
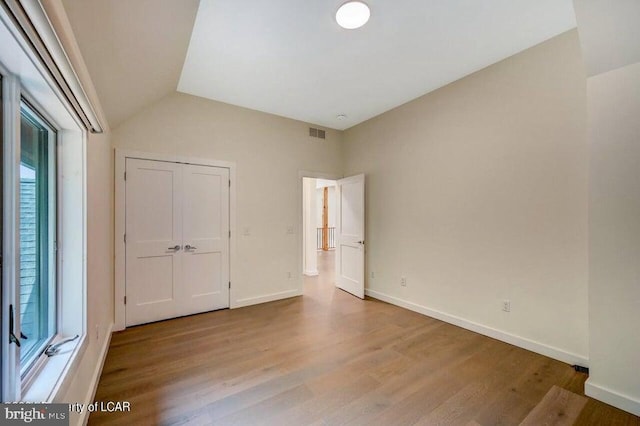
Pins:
<point x="134" y="49"/>
<point x="289" y="57"/>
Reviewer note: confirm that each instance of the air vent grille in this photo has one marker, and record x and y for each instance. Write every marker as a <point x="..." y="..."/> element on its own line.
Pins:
<point x="317" y="133"/>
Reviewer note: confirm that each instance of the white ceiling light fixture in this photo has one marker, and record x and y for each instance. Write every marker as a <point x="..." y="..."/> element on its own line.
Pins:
<point x="353" y="14"/>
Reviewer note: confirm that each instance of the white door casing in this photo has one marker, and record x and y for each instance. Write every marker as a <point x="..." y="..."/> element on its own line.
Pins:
<point x="170" y="206"/>
<point x="350" y="235"/>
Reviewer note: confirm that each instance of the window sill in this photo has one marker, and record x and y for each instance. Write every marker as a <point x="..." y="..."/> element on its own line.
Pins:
<point x="53" y="379"/>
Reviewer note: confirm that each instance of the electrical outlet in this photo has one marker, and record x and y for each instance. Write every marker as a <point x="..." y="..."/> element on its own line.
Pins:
<point x="506" y="305"/>
<point x="403" y="281"/>
<point x="290" y="229"/>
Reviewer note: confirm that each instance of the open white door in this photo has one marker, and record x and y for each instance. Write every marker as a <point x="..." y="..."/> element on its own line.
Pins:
<point x="350" y="235"/>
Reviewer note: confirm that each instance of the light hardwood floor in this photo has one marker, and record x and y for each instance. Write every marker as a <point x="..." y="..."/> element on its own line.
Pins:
<point x="330" y="358"/>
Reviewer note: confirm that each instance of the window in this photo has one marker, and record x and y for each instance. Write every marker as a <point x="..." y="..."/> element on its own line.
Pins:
<point x="43" y="221"/>
<point x="37" y="236"/>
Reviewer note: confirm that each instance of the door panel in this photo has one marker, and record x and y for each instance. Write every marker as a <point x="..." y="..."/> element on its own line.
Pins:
<point x="350" y="235"/>
<point x="352" y="210"/>
<point x="158" y="270"/>
<point x="206" y="228"/>
<point x="153" y="227"/>
<point x="350" y="262"/>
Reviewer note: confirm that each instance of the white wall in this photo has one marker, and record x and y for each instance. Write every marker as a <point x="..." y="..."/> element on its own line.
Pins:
<point x="477" y="192"/>
<point x="614" y="262"/>
<point x="609" y="33"/>
<point x="610" y="36"/>
<point x="99" y="269"/>
<point x="264" y="147"/>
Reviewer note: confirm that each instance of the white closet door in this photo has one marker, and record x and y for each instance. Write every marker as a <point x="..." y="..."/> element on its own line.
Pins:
<point x="153" y="240"/>
<point x="177" y="248"/>
<point x="205" y="218"/>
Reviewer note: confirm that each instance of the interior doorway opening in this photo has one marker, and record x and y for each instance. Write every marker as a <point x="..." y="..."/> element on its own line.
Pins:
<point x="319" y="207"/>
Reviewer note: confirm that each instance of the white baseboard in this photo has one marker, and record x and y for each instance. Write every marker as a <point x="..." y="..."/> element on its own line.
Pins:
<point x="611" y="397"/>
<point x="266" y="298"/>
<point x="311" y="272"/>
<point x="95" y="378"/>
<point x="531" y="345"/>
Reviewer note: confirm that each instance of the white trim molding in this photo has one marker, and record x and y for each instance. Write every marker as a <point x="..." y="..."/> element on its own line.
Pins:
<point x="522" y="342"/>
<point x="120" y="166"/>
<point x="611" y="397"/>
<point x="95" y="377"/>
<point x="240" y="303"/>
<point x="62" y="368"/>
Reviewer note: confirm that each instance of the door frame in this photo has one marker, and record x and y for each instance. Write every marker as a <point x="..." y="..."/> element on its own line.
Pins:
<point x="121" y="156"/>
<point x="314" y="175"/>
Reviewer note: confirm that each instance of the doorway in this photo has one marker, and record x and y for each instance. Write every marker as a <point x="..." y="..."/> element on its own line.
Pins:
<point x="318" y="232"/>
<point x="343" y="266"/>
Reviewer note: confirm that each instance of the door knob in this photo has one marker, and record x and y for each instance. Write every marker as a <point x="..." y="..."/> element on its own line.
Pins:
<point x="361" y="242"/>
<point x="190" y="247"/>
<point x="176" y="248"/>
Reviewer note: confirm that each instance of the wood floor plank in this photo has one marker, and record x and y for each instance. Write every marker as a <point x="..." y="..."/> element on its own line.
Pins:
<point x="267" y="410"/>
<point x="559" y="407"/>
<point x="599" y="413"/>
<point x="328" y="358"/>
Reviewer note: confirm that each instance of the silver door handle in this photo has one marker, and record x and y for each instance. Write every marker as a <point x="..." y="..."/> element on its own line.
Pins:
<point x="176" y="248"/>
<point x="361" y="242"/>
<point x="190" y="247"/>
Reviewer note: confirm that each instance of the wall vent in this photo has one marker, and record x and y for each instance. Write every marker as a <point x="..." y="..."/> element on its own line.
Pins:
<point x="317" y="133"/>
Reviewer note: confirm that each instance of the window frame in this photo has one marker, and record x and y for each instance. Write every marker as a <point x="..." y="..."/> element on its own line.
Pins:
<point x="24" y="76"/>
<point x="38" y="359"/>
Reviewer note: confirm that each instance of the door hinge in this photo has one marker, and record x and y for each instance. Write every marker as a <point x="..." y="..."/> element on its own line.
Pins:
<point x="125" y="175"/>
<point x="125" y="238"/>
<point x="229" y="284"/>
<point x="125" y="300"/>
<point x="229" y="233"/>
<point x="229" y="183"/>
